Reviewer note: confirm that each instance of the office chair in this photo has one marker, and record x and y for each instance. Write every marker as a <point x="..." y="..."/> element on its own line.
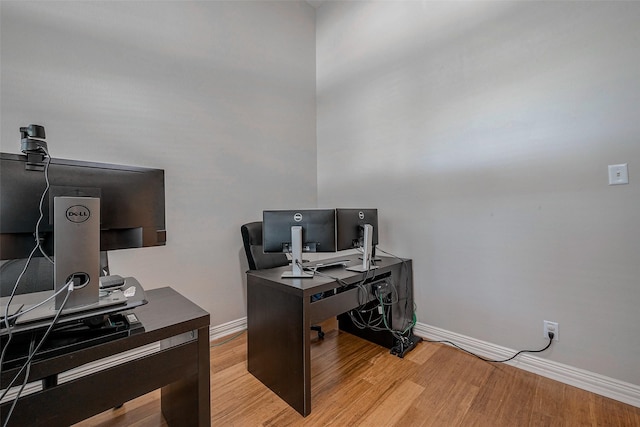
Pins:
<point x="258" y="260"/>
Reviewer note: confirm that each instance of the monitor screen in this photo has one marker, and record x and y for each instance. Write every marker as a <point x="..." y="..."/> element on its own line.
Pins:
<point x="132" y="203"/>
<point x="350" y="227"/>
<point x="318" y="230"/>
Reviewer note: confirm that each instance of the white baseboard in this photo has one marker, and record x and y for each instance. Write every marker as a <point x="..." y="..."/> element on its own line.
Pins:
<point x="590" y="381"/>
<point x="228" y="328"/>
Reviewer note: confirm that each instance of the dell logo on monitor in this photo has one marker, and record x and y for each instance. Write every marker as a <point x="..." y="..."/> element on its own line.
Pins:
<point x="361" y="215"/>
<point x="297" y="217"/>
<point x="78" y="213"/>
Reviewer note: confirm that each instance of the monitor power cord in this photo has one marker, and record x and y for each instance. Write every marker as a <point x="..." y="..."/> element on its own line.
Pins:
<point x="550" y="335"/>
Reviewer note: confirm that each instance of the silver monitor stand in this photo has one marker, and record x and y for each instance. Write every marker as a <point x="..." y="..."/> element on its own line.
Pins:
<point x="76" y="227"/>
<point x="296" y="254"/>
<point x="367" y="248"/>
<point x="76" y="250"/>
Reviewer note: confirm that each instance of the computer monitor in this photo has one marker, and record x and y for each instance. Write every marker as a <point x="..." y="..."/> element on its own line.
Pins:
<point x="130" y="205"/>
<point x="358" y="229"/>
<point x="298" y="231"/>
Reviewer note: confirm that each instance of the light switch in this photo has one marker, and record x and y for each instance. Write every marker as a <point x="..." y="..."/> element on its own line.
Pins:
<point x="618" y="174"/>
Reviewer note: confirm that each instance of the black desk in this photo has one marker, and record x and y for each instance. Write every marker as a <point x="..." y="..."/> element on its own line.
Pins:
<point x="180" y="368"/>
<point x="280" y="314"/>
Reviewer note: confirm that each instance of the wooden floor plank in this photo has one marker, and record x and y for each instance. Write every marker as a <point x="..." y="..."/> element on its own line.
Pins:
<point x="393" y="406"/>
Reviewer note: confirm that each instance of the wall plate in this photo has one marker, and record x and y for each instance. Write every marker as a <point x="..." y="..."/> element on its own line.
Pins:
<point x="618" y="174"/>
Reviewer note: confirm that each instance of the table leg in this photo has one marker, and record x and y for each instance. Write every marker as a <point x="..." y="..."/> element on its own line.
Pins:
<point x="187" y="402"/>
<point x="278" y="343"/>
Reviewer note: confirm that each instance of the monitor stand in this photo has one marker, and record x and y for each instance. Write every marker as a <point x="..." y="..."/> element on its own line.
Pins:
<point x="49" y="310"/>
<point x="297" y="271"/>
<point x="130" y="295"/>
<point x="76" y="225"/>
<point x="366" y="256"/>
<point x="373" y="254"/>
<point x="76" y="249"/>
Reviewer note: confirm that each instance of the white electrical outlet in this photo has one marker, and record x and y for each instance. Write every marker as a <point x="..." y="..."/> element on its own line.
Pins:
<point x="618" y="174"/>
<point x="551" y="327"/>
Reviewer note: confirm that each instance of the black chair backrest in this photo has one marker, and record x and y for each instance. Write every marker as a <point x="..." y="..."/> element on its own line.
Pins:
<point x="252" y="239"/>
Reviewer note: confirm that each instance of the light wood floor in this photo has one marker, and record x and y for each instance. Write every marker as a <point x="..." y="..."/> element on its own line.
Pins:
<point x="356" y="383"/>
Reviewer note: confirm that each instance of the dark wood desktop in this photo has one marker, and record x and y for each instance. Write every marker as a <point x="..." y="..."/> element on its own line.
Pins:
<point x="280" y="314"/>
<point x="180" y="369"/>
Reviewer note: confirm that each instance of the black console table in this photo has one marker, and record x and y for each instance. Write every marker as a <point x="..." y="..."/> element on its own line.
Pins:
<point x="180" y="368"/>
<point x="280" y="312"/>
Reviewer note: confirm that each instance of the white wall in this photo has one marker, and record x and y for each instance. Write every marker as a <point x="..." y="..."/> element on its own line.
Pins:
<point x="219" y="94"/>
<point x="482" y="132"/>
